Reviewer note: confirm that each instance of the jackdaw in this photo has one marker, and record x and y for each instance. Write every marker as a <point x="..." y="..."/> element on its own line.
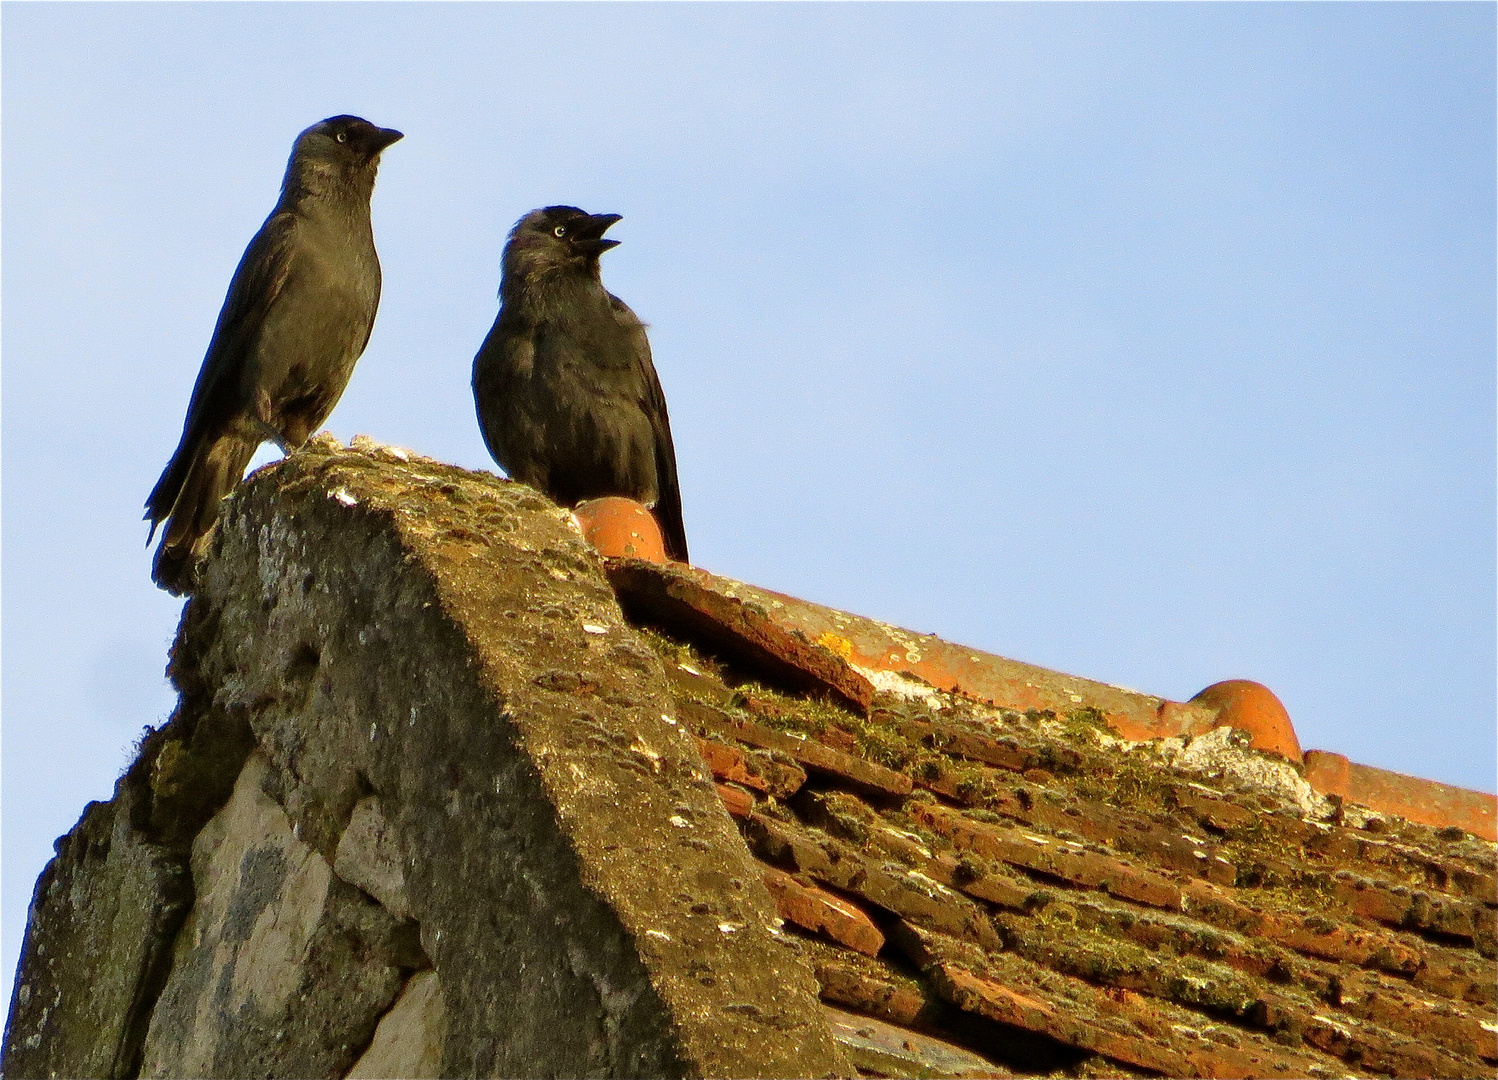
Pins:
<point x="567" y="396"/>
<point x="298" y="314"/>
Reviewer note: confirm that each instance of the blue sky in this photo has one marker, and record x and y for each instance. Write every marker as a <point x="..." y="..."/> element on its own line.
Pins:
<point x="1152" y="343"/>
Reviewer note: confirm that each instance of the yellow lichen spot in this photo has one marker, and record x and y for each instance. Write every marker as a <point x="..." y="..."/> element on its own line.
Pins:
<point x="840" y="646"/>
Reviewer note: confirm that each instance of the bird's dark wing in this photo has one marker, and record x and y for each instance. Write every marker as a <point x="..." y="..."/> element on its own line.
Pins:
<point x="503" y="362"/>
<point x="257" y="283"/>
<point x="653" y="404"/>
<point x="258" y="280"/>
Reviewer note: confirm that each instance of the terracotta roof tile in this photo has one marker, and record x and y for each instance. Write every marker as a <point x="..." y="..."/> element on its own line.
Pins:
<point x="881" y="1049"/>
<point x="1122" y="1025"/>
<point x="620" y="527"/>
<point x="872" y="990"/>
<point x="1023" y="886"/>
<point x="807" y="752"/>
<point x="818" y="910"/>
<point x="1252" y="707"/>
<point x="1460" y="977"/>
<point x="1051" y="856"/>
<point x="736" y="800"/>
<point x="676" y="593"/>
<point x="812" y="647"/>
<point x="751" y="768"/>
<point x="1424" y="801"/>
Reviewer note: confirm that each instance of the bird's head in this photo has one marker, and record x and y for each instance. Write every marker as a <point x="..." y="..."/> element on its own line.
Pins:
<point x="345" y="148"/>
<point x="558" y="238"/>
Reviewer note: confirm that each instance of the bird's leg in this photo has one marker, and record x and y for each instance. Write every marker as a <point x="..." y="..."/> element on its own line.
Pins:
<point x="270" y="433"/>
<point x="288" y="435"/>
<point x="263" y="424"/>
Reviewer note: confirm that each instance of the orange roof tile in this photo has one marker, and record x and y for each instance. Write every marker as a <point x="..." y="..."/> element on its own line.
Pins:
<point x="986" y="862"/>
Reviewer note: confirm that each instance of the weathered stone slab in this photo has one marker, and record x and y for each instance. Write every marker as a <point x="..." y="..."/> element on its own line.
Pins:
<point x="408" y="1043"/>
<point x="367" y="856"/>
<point x="278" y="969"/>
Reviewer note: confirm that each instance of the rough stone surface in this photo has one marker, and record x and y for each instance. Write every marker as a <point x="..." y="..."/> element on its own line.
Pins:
<point x="368" y="857"/>
<point x="281" y="969"/>
<point x="99" y="939"/>
<point x="445" y="705"/>
<point x="408" y="1043"/>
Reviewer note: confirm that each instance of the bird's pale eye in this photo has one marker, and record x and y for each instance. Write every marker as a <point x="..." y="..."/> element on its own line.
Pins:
<point x="559" y="231"/>
<point x="342" y="136"/>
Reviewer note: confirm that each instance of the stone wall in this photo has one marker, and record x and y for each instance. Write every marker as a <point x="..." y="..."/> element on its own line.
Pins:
<point x="424" y="809"/>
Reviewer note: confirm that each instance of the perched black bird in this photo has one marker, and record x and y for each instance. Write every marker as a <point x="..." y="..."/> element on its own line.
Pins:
<point x="567" y="396"/>
<point x="298" y="315"/>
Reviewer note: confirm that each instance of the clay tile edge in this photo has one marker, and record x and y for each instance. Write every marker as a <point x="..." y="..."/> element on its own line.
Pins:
<point x="877" y="656"/>
<point x="1428" y="802"/>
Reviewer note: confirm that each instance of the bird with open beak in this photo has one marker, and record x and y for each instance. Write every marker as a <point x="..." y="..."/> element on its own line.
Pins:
<point x="567" y="395"/>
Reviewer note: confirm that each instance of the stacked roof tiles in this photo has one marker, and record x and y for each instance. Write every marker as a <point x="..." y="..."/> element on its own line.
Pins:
<point x="989" y="892"/>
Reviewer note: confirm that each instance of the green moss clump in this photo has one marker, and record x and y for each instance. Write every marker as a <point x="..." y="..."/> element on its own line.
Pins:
<point x="1207" y="942"/>
<point x="969" y="868"/>
<point x="1135" y="785"/>
<point x="1083" y="725"/>
<point x="927" y="768"/>
<point x="986" y="816"/>
<point x="841" y="814"/>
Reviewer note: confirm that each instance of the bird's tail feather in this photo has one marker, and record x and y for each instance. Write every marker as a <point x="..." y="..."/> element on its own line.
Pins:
<point x="201" y="479"/>
<point x="164" y="495"/>
<point x="673" y="529"/>
<point x="668" y="500"/>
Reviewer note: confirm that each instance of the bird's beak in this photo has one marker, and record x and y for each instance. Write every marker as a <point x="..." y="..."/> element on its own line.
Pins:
<point x="590" y="236"/>
<point x="385" y="137"/>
